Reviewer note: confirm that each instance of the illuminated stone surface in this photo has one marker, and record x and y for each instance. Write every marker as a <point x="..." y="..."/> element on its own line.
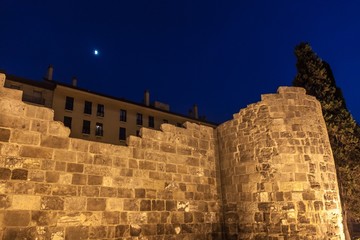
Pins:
<point x="277" y="181"/>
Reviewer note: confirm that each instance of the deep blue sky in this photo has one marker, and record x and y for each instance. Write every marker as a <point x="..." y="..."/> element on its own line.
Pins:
<point x="219" y="54"/>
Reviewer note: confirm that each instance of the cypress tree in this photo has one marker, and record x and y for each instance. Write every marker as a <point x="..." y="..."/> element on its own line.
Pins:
<point x="316" y="77"/>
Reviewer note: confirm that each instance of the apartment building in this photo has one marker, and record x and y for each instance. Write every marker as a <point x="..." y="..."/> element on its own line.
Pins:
<point x="95" y="116"/>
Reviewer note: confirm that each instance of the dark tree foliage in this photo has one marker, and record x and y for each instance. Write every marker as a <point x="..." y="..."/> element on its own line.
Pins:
<point x="317" y="78"/>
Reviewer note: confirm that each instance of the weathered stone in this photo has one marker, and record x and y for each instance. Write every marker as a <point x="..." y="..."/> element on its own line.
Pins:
<point x="5" y="173"/>
<point x="4" y="135"/>
<point x="17" y="218"/>
<point x="55" y="142"/>
<point x="75" y="167"/>
<point x="135" y="230"/>
<point x="96" y="204"/>
<point x="77" y="232"/>
<point x="19" y="174"/>
<point x="52" y="203"/>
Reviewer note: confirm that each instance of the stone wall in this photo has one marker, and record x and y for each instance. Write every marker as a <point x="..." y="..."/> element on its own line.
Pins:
<point x="163" y="185"/>
<point x="267" y="174"/>
<point x="278" y="173"/>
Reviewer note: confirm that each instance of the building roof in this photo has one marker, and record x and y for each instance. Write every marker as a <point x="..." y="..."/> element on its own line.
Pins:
<point x="51" y="85"/>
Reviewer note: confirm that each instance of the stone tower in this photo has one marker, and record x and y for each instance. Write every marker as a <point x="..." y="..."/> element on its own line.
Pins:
<point x="278" y="173"/>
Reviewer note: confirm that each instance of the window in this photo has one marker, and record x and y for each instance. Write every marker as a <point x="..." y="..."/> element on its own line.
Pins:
<point x="87" y="107"/>
<point x="165" y="121"/>
<point x="122" y="133"/>
<point x="69" y="103"/>
<point x="137" y="133"/>
<point x="122" y="115"/>
<point x="139" y="120"/>
<point x="67" y="121"/>
<point x="179" y="125"/>
<point x="99" y="129"/>
<point x="100" y="110"/>
<point x="151" y="121"/>
<point x="86" y="127"/>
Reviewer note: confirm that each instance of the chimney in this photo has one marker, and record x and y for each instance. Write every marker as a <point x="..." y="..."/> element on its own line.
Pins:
<point x="74" y="82"/>
<point x="195" y="111"/>
<point x="49" y="74"/>
<point x="147" y="98"/>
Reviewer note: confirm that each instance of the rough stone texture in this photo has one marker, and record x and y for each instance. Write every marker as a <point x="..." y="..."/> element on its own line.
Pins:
<point x="278" y="178"/>
<point x="278" y="173"/>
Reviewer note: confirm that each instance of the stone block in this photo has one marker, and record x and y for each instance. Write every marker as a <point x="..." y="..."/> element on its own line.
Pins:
<point x="55" y="142"/>
<point x="5" y="173"/>
<point x="75" y="167"/>
<point x="131" y="205"/>
<point x="97" y="232"/>
<point x="77" y="232"/>
<point x="126" y="193"/>
<point x="95" y="180"/>
<point x="9" y="121"/>
<point x="17" y="218"/>
<point x="43" y="189"/>
<point x="52" y="177"/>
<point x="58" y="129"/>
<point x="25" y="137"/>
<point x="4" y="135"/>
<point x="25" y="202"/>
<point x="39" y="126"/>
<point x="36" y="152"/>
<point x="36" y="175"/>
<point x="114" y="204"/>
<point x="5" y="202"/>
<point x="145" y="205"/>
<point x="108" y="192"/>
<point x="110" y="218"/>
<point x="74" y="203"/>
<point x="139" y="193"/>
<point x="102" y="160"/>
<point x="79" y="145"/>
<point x="64" y="190"/>
<point x="64" y="156"/>
<point x="52" y="203"/>
<point x="157" y="205"/>
<point x="79" y="179"/>
<point x="44" y="218"/>
<point x="122" y="231"/>
<point x="90" y="191"/>
<point x="19" y="174"/>
<point x="96" y="204"/>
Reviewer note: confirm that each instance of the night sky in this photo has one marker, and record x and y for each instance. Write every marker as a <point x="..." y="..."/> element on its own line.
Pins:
<point x="221" y="55"/>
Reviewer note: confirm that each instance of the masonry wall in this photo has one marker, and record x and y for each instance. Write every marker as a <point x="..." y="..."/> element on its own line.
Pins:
<point x="163" y="185"/>
<point x="278" y="173"/>
<point x="268" y="173"/>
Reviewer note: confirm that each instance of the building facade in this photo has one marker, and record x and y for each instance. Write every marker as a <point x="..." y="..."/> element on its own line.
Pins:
<point x="94" y="116"/>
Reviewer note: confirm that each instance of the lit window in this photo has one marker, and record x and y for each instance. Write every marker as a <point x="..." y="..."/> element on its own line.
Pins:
<point x="100" y="110"/>
<point x="99" y="129"/>
<point x="88" y="107"/>
<point x="86" y="127"/>
<point x="151" y="121"/>
<point x="122" y="133"/>
<point x="67" y="121"/>
<point x="69" y="103"/>
<point x="139" y="119"/>
<point x="123" y="115"/>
